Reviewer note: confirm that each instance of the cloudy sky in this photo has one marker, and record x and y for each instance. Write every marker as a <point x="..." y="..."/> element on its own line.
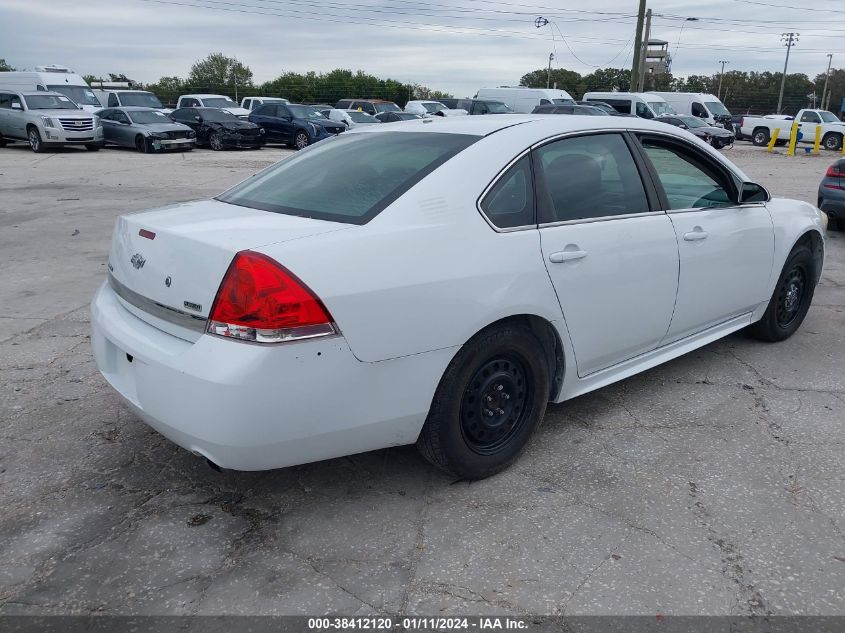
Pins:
<point x="457" y="45"/>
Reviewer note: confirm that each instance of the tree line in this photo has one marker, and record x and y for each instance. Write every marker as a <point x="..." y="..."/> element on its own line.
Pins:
<point x="742" y="92"/>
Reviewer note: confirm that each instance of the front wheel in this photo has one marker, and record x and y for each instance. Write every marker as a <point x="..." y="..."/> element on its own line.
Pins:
<point x="141" y="144"/>
<point x="832" y="142"/>
<point x="488" y="403"/>
<point x="216" y="142"/>
<point x="791" y="299"/>
<point x="301" y="140"/>
<point x="35" y="142"/>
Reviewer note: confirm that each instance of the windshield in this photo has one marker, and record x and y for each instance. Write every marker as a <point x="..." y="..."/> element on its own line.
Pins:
<point x="83" y="95"/>
<point x="433" y="106"/>
<point x="349" y="178"/>
<point x="691" y="121"/>
<point x="210" y="114"/>
<point x="49" y="102"/>
<point x="219" y="102"/>
<point x="361" y="117"/>
<point x="717" y="108"/>
<point x="387" y="107"/>
<point x="563" y="101"/>
<point x="660" y="107"/>
<point x="407" y="116"/>
<point x="148" y="116"/>
<point x="828" y="117"/>
<point x="496" y="107"/>
<point x="305" y="112"/>
<point x="142" y="99"/>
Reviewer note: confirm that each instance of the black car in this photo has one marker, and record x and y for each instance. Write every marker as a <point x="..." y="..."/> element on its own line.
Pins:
<point x="393" y="117"/>
<point x="220" y="129"/>
<point x="605" y="107"/>
<point x="569" y="109"/>
<point x="717" y="136"/>
<point x="294" y="124"/>
<point x="832" y="194"/>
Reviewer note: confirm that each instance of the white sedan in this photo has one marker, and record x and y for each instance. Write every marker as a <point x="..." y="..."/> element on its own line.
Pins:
<point x="439" y="281"/>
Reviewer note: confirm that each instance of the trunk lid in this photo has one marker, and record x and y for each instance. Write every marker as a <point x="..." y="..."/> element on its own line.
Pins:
<point x="166" y="265"/>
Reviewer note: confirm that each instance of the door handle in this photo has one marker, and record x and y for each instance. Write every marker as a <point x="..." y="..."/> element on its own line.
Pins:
<point x="695" y="236"/>
<point x="566" y="256"/>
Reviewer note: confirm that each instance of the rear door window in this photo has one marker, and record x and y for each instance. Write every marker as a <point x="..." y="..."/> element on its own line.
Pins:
<point x="349" y="178"/>
<point x="510" y="203"/>
<point x="588" y="177"/>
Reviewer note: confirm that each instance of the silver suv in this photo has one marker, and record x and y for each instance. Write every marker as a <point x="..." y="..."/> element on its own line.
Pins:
<point x="47" y="119"/>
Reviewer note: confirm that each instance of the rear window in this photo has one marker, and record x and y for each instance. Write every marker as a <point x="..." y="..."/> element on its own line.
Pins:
<point x="350" y="178"/>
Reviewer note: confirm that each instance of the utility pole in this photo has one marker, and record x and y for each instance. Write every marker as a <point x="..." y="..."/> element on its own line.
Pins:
<point x="549" y="74"/>
<point x="644" y="52"/>
<point x="826" y="77"/>
<point x="638" y="45"/>
<point x="723" y="62"/>
<point x="790" y="39"/>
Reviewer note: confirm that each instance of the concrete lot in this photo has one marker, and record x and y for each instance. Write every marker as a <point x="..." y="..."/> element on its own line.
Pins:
<point x="714" y="484"/>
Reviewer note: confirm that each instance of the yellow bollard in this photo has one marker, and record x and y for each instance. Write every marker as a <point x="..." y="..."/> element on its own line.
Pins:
<point x="774" y="139"/>
<point x="818" y="141"/>
<point x="793" y="138"/>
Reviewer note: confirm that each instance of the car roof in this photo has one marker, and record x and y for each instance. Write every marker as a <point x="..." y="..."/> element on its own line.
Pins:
<point x="204" y="96"/>
<point x="34" y="93"/>
<point x="133" y="108"/>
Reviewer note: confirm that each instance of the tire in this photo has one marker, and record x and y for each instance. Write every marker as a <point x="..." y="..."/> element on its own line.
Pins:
<point x="215" y="141"/>
<point x="2" y="141"/>
<point x="791" y="299"/>
<point x="35" y="142"/>
<point x="832" y="142"/>
<point x="93" y="147"/>
<point x="301" y="140"/>
<point x="490" y="400"/>
<point x="141" y="144"/>
<point x="760" y="137"/>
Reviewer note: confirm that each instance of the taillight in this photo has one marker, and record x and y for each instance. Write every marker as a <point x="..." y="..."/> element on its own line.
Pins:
<point x="260" y="300"/>
<point x="834" y="172"/>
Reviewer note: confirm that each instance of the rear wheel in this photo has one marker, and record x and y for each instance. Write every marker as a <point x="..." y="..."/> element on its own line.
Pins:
<point x="35" y="142"/>
<point x="791" y="299"/>
<point x="300" y="140"/>
<point x="488" y="403"/>
<point x="832" y="141"/>
<point x="760" y="137"/>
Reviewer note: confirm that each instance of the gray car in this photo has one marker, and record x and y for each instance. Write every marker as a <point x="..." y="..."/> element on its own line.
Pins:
<point x="145" y="129"/>
<point x="832" y="194"/>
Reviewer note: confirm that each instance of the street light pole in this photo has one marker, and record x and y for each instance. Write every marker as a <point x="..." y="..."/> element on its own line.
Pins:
<point x="790" y="40"/>
<point x="644" y="53"/>
<point x="678" y="43"/>
<point x="721" y="74"/>
<point x="638" y="45"/>
<point x="826" y="77"/>
<point x="549" y="73"/>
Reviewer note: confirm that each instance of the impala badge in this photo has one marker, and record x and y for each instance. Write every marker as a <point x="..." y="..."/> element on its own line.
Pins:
<point x="138" y="261"/>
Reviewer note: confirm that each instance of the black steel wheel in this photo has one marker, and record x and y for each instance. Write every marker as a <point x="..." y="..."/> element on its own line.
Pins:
<point x="494" y="404"/>
<point x="791" y="298"/>
<point x="489" y="401"/>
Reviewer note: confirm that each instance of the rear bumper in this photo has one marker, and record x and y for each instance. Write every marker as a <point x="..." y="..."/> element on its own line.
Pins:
<point x="254" y="407"/>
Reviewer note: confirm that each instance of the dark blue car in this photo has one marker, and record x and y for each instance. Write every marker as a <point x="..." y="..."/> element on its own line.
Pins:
<point x="294" y="124"/>
<point x="832" y="194"/>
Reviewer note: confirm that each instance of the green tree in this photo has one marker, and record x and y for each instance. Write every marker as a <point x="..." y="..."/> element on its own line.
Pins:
<point x="90" y="79"/>
<point x="618" y="79"/>
<point x="564" y="79"/>
<point x="4" y="66"/>
<point x="219" y="73"/>
<point x="836" y="88"/>
<point x="167" y="89"/>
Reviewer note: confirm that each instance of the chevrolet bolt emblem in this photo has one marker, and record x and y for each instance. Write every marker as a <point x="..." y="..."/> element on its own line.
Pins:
<point x="138" y="261"/>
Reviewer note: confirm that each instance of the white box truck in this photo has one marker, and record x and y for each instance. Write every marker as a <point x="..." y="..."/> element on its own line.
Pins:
<point x="53" y="79"/>
<point x="524" y="99"/>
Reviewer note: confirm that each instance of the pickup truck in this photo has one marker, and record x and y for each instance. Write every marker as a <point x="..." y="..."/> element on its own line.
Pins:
<point x="761" y="129"/>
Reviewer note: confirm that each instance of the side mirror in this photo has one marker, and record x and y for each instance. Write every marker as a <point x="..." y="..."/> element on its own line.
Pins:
<point x="17" y="106"/>
<point x="683" y="126"/>
<point x="198" y="118"/>
<point x="752" y="192"/>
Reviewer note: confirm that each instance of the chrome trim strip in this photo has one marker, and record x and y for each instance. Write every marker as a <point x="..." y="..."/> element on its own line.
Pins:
<point x="159" y="310"/>
<point x="604" y="218"/>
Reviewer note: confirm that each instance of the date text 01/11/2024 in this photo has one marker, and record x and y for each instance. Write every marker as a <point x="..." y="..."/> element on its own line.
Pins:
<point x="417" y="623"/>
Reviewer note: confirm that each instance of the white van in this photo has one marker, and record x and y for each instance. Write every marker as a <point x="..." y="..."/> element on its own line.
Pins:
<point x="250" y="103"/>
<point x="524" y="99"/>
<point x="699" y="104"/>
<point x="213" y="101"/>
<point x="122" y="98"/>
<point x="642" y="104"/>
<point x="56" y="79"/>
